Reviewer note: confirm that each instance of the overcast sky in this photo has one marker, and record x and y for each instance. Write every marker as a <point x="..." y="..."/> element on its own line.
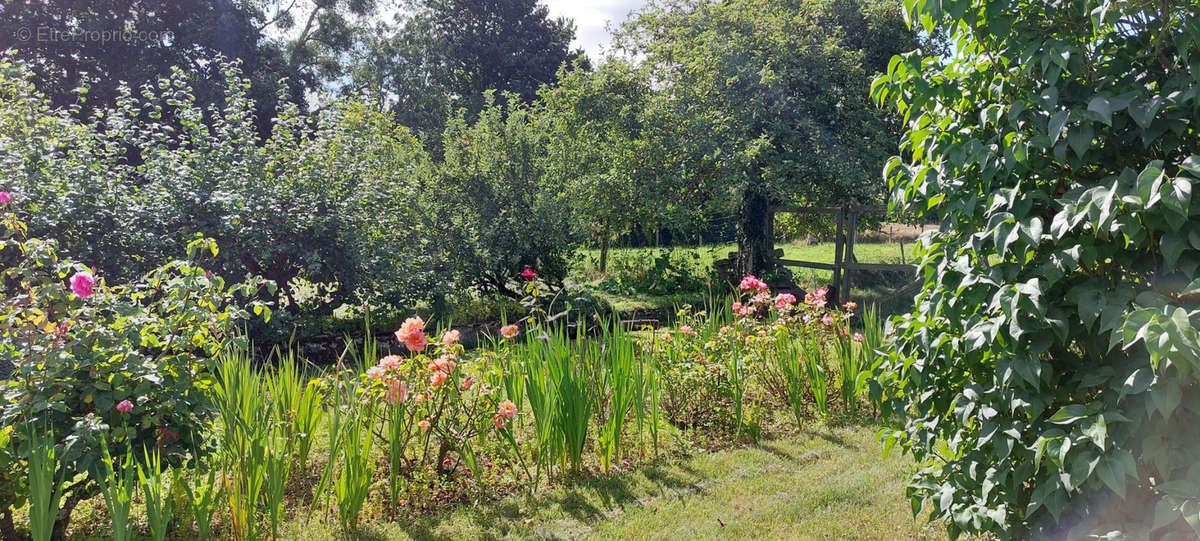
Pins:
<point x="590" y="18"/>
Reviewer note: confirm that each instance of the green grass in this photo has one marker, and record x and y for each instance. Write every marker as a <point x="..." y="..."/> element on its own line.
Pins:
<point x="827" y="484"/>
<point x="868" y="252"/>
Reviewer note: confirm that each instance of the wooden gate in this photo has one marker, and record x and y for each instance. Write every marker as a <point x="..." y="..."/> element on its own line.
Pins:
<point x="845" y="265"/>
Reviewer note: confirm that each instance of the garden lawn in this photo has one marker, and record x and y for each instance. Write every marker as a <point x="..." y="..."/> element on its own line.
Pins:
<point x="830" y="484"/>
<point x="823" y="252"/>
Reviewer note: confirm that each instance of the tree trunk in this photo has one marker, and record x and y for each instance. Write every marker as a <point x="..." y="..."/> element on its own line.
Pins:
<point x="755" y="233"/>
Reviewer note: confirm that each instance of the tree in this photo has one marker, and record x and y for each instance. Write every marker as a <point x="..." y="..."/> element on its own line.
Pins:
<point x="504" y="207"/>
<point x="313" y="36"/>
<point x="597" y="123"/>
<point x="444" y="54"/>
<point x="1046" y="379"/>
<point x="770" y="102"/>
<point x="339" y="199"/>
<point x="110" y="43"/>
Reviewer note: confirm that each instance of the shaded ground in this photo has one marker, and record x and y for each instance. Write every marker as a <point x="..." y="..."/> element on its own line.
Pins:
<point x="831" y="484"/>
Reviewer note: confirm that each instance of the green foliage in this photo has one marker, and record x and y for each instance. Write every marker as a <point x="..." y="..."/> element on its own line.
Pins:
<point x="354" y="479"/>
<point x="118" y="482"/>
<point x="333" y="199"/>
<point x="657" y="272"/>
<point x="298" y="405"/>
<point x="203" y="496"/>
<point x="152" y="476"/>
<point x="814" y="370"/>
<point x="621" y="377"/>
<point x="764" y="102"/>
<point x="505" y="210"/>
<point x="45" y="483"/>
<point x="1053" y="354"/>
<point x="245" y="423"/>
<point x="75" y="359"/>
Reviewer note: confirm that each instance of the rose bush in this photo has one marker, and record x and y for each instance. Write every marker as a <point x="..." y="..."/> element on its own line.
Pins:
<point x="93" y="360"/>
<point x="722" y="366"/>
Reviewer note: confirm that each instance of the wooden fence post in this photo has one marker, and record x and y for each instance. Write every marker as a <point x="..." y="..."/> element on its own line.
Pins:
<point x="851" y="233"/>
<point x="837" y="255"/>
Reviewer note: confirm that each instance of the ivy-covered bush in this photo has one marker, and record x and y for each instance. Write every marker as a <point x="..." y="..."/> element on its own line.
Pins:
<point x="1047" y="378"/>
<point x="93" y="361"/>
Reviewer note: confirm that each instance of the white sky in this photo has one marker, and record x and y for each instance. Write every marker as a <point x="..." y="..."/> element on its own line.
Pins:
<point x="590" y="18"/>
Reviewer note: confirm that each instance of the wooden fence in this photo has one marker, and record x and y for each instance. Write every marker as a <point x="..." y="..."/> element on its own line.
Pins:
<point x="845" y="264"/>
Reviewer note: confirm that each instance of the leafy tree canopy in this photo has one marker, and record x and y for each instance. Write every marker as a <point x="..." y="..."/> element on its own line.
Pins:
<point x="110" y="43"/>
<point x="768" y="99"/>
<point x="443" y="55"/>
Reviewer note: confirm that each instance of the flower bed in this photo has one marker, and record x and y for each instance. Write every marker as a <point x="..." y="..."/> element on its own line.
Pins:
<point x="146" y="386"/>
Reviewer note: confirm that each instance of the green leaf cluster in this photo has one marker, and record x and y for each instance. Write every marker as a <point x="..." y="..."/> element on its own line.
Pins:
<point x="1049" y="372"/>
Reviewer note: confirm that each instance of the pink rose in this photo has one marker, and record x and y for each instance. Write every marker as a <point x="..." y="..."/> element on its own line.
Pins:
<point x="5" y="198"/>
<point x="437" y="379"/>
<point x="125" y="406"/>
<point x="391" y="362"/>
<point x="752" y="282"/>
<point x="687" y="329"/>
<point x="858" y="337"/>
<point x="397" y="392"/>
<point x="451" y="337"/>
<point x="850" y="305"/>
<point x="412" y="333"/>
<point x="816" y="298"/>
<point x="81" y="284"/>
<point x="784" y="300"/>
<point x="506" y="409"/>
<point x="827" y="319"/>
<point x="528" y="274"/>
<point x="416" y="342"/>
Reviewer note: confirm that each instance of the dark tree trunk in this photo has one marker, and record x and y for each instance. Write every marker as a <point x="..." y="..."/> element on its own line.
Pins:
<point x="755" y="233"/>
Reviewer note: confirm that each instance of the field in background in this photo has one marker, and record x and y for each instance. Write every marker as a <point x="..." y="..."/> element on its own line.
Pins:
<point x="699" y="261"/>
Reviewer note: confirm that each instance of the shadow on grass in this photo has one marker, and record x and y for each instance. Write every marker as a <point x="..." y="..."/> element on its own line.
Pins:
<point x="584" y="502"/>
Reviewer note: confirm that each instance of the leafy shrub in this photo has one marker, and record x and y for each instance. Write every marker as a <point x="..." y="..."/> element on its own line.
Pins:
<point x="335" y="201"/>
<point x="719" y="368"/>
<point x="504" y="209"/>
<point x="1051" y="360"/>
<point x="95" y="361"/>
<point x="657" y="272"/>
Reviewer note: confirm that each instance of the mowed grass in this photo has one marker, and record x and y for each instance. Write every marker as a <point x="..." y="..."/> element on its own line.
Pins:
<point x="826" y="484"/>
<point x="704" y="256"/>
